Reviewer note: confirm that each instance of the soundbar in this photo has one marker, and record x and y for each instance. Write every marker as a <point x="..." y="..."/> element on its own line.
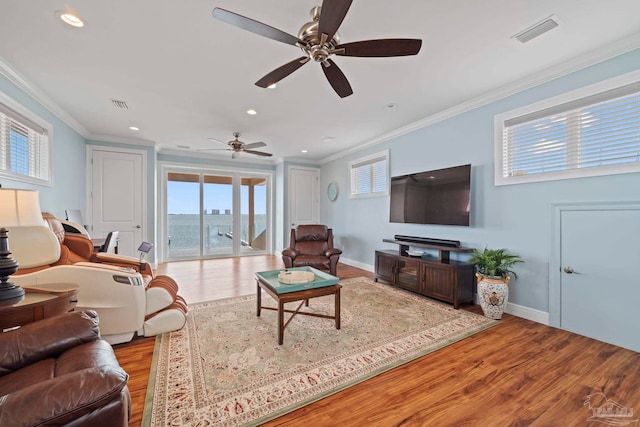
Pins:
<point x="428" y="241"/>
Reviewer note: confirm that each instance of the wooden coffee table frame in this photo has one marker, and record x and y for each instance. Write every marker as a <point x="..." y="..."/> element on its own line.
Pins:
<point x="302" y="296"/>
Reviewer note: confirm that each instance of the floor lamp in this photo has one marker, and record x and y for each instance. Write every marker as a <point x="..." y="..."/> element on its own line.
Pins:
<point x="18" y="208"/>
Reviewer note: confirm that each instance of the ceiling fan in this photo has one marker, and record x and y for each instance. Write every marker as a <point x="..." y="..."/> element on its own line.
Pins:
<point x="237" y="146"/>
<point x="319" y="40"/>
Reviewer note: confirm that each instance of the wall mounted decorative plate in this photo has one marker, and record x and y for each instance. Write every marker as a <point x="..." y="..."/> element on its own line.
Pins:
<point x="332" y="191"/>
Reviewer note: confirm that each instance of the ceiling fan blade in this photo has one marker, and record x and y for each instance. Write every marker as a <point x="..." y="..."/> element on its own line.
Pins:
<point x="259" y="153"/>
<point x="282" y="72"/>
<point x="218" y="141"/>
<point x="254" y="145"/>
<point x="255" y="26"/>
<point x="337" y="79"/>
<point x="381" y="48"/>
<point x="214" y="149"/>
<point x="332" y="14"/>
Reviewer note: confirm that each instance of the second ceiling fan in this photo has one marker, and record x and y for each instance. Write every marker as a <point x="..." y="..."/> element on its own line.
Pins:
<point x="236" y="147"/>
<point x="319" y="40"/>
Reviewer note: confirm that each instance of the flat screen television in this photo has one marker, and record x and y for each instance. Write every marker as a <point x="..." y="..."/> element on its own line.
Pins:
<point x="440" y="196"/>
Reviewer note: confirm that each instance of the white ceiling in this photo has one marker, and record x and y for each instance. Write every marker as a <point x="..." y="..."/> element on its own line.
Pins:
<point x="187" y="77"/>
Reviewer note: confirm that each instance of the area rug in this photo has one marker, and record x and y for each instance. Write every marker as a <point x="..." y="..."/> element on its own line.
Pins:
<point x="225" y="367"/>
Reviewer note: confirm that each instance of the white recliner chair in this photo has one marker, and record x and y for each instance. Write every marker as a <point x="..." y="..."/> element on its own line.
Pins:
<point x="124" y="292"/>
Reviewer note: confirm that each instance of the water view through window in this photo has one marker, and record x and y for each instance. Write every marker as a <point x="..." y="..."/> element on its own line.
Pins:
<point x="201" y="218"/>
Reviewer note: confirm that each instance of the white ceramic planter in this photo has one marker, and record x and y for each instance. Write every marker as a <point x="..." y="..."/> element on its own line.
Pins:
<point x="493" y="293"/>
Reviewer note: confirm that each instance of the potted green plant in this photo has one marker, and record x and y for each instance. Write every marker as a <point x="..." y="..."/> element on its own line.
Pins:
<point x="494" y="270"/>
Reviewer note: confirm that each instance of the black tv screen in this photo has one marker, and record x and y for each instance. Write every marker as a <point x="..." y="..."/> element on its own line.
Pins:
<point x="440" y="196"/>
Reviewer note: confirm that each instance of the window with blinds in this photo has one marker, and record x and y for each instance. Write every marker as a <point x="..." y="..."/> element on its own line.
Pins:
<point x="24" y="146"/>
<point x="370" y="175"/>
<point x="594" y="134"/>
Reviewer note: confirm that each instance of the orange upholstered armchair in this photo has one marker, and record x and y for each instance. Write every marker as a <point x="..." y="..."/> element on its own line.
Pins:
<point x="312" y="245"/>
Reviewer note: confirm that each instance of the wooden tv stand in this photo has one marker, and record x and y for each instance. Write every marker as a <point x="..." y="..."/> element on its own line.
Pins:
<point x="440" y="278"/>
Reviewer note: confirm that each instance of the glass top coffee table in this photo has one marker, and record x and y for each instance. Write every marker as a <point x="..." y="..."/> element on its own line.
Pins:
<point x="321" y="285"/>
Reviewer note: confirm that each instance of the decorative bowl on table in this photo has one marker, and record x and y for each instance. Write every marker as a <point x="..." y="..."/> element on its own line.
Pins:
<point x="294" y="277"/>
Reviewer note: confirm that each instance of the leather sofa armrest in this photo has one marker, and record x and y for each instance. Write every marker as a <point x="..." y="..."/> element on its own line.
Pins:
<point x="290" y="252"/>
<point x="332" y="251"/>
<point x="61" y="400"/>
<point x="46" y="338"/>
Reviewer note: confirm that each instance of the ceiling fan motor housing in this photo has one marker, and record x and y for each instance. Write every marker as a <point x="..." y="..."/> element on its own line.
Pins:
<point x="314" y="48"/>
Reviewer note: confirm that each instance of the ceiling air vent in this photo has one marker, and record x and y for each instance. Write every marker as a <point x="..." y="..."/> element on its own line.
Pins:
<point x="538" y="29"/>
<point x="122" y="105"/>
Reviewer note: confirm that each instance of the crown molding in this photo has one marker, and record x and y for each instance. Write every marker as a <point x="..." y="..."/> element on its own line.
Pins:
<point x="39" y="96"/>
<point x="121" y="140"/>
<point x="576" y="64"/>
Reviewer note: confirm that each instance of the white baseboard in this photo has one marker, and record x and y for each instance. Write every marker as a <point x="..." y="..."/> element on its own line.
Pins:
<point x="528" y="313"/>
<point x="361" y="265"/>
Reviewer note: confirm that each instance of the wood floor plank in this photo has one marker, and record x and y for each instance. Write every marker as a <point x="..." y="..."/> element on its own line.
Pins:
<point x="516" y="373"/>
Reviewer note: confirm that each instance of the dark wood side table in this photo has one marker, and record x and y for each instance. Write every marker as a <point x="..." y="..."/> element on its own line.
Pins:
<point x="36" y="305"/>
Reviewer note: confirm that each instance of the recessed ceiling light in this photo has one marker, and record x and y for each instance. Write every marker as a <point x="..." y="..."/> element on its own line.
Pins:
<point x="305" y="151"/>
<point x="251" y="112"/>
<point x="134" y="128"/>
<point x="71" y="18"/>
<point x="272" y="86"/>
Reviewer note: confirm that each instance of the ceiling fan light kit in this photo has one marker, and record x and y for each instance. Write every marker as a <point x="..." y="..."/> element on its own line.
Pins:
<point x="319" y="40"/>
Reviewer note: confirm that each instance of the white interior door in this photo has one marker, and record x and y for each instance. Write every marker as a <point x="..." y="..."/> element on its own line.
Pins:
<point x="117" y="196"/>
<point x="304" y="196"/>
<point x="599" y="285"/>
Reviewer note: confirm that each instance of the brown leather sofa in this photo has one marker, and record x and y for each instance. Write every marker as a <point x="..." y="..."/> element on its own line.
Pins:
<point x="58" y="372"/>
<point x="312" y="245"/>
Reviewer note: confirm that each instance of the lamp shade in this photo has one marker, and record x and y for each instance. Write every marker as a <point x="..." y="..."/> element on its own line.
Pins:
<point x="19" y="208"/>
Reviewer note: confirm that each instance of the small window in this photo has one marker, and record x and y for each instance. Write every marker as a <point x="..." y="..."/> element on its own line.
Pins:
<point x="370" y="175"/>
<point x="24" y="144"/>
<point x="596" y="132"/>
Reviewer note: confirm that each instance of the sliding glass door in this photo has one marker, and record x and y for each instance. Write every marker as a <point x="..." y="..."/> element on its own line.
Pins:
<point x="212" y="214"/>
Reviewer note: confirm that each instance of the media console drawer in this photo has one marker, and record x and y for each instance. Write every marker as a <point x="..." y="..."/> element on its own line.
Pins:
<point x="450" y="281"/>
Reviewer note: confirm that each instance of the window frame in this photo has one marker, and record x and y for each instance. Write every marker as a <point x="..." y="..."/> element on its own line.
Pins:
<point x="363" y="161"/>
<point x="30" y="120"/>
<point x="500" y="121"/>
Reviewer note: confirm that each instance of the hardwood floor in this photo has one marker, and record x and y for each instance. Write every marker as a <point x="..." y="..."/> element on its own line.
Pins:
<point x="514" y="374"/>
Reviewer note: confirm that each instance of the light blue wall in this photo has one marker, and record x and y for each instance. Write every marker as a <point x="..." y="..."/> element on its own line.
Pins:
<point x="516" y="217"/>
<point x="68" y="191"/>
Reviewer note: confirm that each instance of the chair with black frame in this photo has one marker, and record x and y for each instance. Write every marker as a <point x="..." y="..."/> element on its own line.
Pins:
<point x="110" y="243"/>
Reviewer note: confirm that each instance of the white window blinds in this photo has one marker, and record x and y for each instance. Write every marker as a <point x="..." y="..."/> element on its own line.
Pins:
<point x="24" y="148"/>
<point x="593" y="135"/>
<point x="369" y="176"/>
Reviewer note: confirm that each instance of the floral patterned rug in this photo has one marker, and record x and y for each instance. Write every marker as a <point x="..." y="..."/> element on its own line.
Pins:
<point x="225" y="367"/>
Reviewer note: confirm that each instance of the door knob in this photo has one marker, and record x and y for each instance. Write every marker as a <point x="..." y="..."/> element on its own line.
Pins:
<point x="568" y="270"/>
<point x="138" y="226"/>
